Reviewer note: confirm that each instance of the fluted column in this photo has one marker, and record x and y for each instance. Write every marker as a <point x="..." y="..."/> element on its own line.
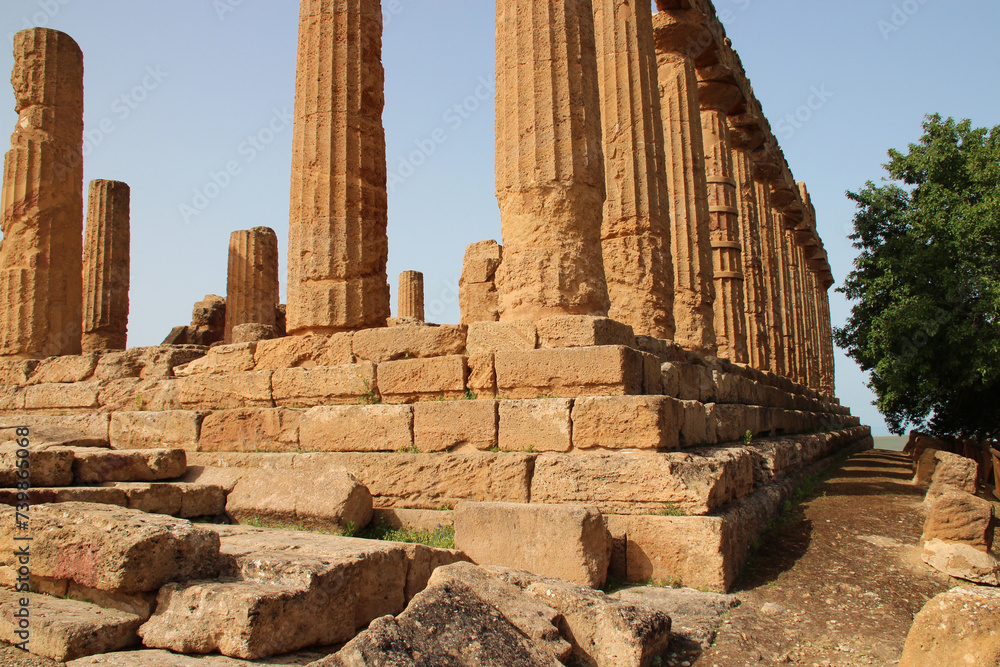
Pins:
<point x="41" y="255"/>
<point x="787" y="294"/>
<point x="724" y="223"/>
<point x="754" y="294"/>
<point x="815" y="345"/>
<point x="635" y="236"/>
<point x="794" y="304"/>
<point x="771" y="257"/>
<point x="106" y="267"/>
<point x="828" y="379"/>
<point x="252" y="293"/>
<point x="690" y="242"/>
<point x="337" y="242"/>
<point x="411" y="296"/>
<point x="549" y="163"/>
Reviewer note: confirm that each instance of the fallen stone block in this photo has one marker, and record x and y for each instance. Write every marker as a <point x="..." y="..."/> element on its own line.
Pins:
<point x="439" y="426"/>
<point x="136" y="465"/>
<point x="608" y="370"/>
<point x="237" y="358"/>
<point x="64" y="630"/>
<point x="962" y="561"/>
<point x="411" y="380"/>
<point x="357" y="428"/>
<point x="952" y="470"/>
<point x="695" y="615"/>
<point x="961" y="626"/>
<point x="327" y="499"/>
<point x="174" y="429"/>
<point x="563" y="541"/>
<point x="627" y="422"/>
<point x="417" y="341"/>
<point x="225" y="392"/>
<point x="325" y="385"/>
<point x="111" y="548"/>
<point x="957" y="516"/>
<point x="538" y="425"/>
<point x="38" y="466"/>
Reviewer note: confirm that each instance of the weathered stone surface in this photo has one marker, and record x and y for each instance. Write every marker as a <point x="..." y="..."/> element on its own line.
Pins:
<point x="62" y="370"/>
<point x="43" y="467"/>
<point x="76" y="396"/>
<point x="113" y="549"/>
<point x="627" y="422"/>
<point x="106" y="267"/>
<point x="585" y="371"/>
<point x="357" y="428"/>
<point x="695" y="482"/>
<point x="477" y="295"/>
<point x="564" y="541"/>
<point x="201" y="500"/>
<point x="961" y="626"/>
<point x="234" y="358"/>
<point x="541" y="425"/>
<point x="337" y="241"/>
<point x="582" y="331"/>
<point x="695" y="615"/>
<point x="16" y="371"/>
<point x="409" y="342"/>
<point x="138" y="465"/>
<point x="410" y="380"/>
<point x="414" y="519"/>
<point x="304" y="352"/>
<point x="479" y="302"/>
<point x="694" y="430"/>
<point x="133" y="394"/>
<point x="141" y="605"/>
<point x="64" y="630"/>
<point x="152" y="498"/>
<point x="440" y="426"/>
<point x="482" y="375"/>
<point x="603" y="631"/>
<point x="146" y="362"/>
<point x="957" y="516"/>
<point x="333" y="499"/>
<point x="252" y="291"/>
<point x="159" y="658"/>
<point x="72" y="494"/>
<point x="225" y="392"/>
<point x="254" y="333"/>
<point x="952" y="470"/>
<point x="962" y="561"/>
<point x="41" y="259"/>
<point x="174" y="429"/>
<point x="926" y="463"/>
<point x="411" y="296"/>
<point x="756" y="301"/>
<point x="325" y="385"/>
<point x="250" y="430"/>
<point x="488" y="337"/>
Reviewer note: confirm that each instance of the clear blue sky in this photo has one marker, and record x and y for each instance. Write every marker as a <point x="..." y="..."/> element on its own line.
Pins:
<point x="182" y="88"/>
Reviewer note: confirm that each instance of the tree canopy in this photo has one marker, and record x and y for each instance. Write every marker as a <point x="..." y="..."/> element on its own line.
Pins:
<point x="927" y="283"/>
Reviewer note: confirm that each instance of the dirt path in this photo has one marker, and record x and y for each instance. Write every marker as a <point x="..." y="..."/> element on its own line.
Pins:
<point x="839" y="579"/>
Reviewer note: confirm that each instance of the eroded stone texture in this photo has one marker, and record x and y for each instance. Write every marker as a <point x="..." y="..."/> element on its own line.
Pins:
<point x="828" y="368"/>
<point x="549" y="163"/>
<point x="41" y="256"/>
<point x="106" y="267"/>
<point x="252" y="289"/>
<point x="337" y="242"/>
<point x="790" y="328"/>
<point x="477" y="292"/>
<point x="754" y="294"/>
<point x="411" y="296"/>
<point x="773" y="275"/>
<point x="636" y="231"/>
<point x="694" y="292"/>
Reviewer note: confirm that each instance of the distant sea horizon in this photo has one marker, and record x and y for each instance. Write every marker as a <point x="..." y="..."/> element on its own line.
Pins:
<point x="893" y="443"/>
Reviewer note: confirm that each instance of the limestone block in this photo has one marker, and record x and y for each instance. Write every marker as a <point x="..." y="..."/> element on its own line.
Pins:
<point x="233" y="358"/>
<point x="410" y="380"/>
<point x="304" y="351"/>
<point x="152" y="498"/>
<point x="409" y="342"/>
<point x="582" y="331"/>
<point x="250" y="430"/>
<point x="201" y="500"/>
<point x="482" y="375"/>
<point x="627" y="422"/>
<point x="226" y="392"/>
<point x="539" y="425"/>
<point x="357" y="428"/>
<point x="12" y="399"/>
<point x="957" y="516"/>
<point x="586" y="371"/>
<point x="732" y="421"/>
<point x="134" y="394"/>
<point x="962" y="561"/>
<point x="563" y="541"/>
<point x="695" y="426"/>
<point x="489" y="337"/>
<point x="325" y="385"/>
<point x="481" y="261"/>
<point x="146" y="362"/>
<point x="159" y="658"/>
<point x="955" y="471"/>
<point x="959" y="626"/>
<point x="42" y="467"/>
<point x="175" y="429"/>
<point x="76" y="396"/>
<point x="73" y="494"/>
<point x="64" y="370"/>
<point x="479" y="302"/>
<point x="64" y="630"/>
<point x="413" y="519"/>
<point x="16" y="371"/>
<point x="113" y="549"/>
<point x="137" y="465"/>
<point x="440" y="426"/>
<point x="331" y="500"/>
<point x="76" y="430"/>
<point x="926" y="463"/>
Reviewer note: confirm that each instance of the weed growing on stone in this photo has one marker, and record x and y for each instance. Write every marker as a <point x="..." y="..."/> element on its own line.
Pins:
<point x="671" y="509"/>
<point x="469" y="395"/>
<point x="747" y="437"/>
<point x="442" y="537"/>
<point x="412" y="449"/>
<point x="344" y="531"/>
<point x="369" y="396"/>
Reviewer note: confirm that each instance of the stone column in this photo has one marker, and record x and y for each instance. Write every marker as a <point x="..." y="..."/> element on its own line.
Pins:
<point x="411" y="296"/>
<point x="549" y="163"/>
<point x="755" y="296"/>
<point x="804" y="301"/>
<point x="788" y="330"/>
<point x="796" y="336"/>
<point x="815" y="345"/>
<point x="828" y="375"/>
<point x="337" y="241"/>
<point x="636" y="233"/>
<point x="106" y="267"/>
<point x="252" y="292"/>
<point x="724" y="224"/>
<point x="771" y="264"/>
<point x="41" y="255"/>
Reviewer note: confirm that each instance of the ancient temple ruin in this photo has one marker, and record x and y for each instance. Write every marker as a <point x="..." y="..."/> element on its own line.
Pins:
<point x="651" y="341"/>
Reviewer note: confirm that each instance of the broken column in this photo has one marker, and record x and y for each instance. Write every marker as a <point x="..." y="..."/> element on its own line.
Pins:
<point x="411" y="296"/>
<point x="549" y="163"/>
<point x="337" y="240"/>
<point x="252" y="291"/>
<point x="477" y="292"/>
<point x="690" y="243"/>
<point x="106" y="267"/>
<point x="41" y="256"/>
<point x="724" y="221"/>
<point x="636" y="231"/>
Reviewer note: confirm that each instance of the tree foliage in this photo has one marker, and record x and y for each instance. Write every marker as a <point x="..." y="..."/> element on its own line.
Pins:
<point x="926" y="283"/>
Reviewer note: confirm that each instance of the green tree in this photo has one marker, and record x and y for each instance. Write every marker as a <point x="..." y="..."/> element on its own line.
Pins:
<point x="926" y="283"/>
